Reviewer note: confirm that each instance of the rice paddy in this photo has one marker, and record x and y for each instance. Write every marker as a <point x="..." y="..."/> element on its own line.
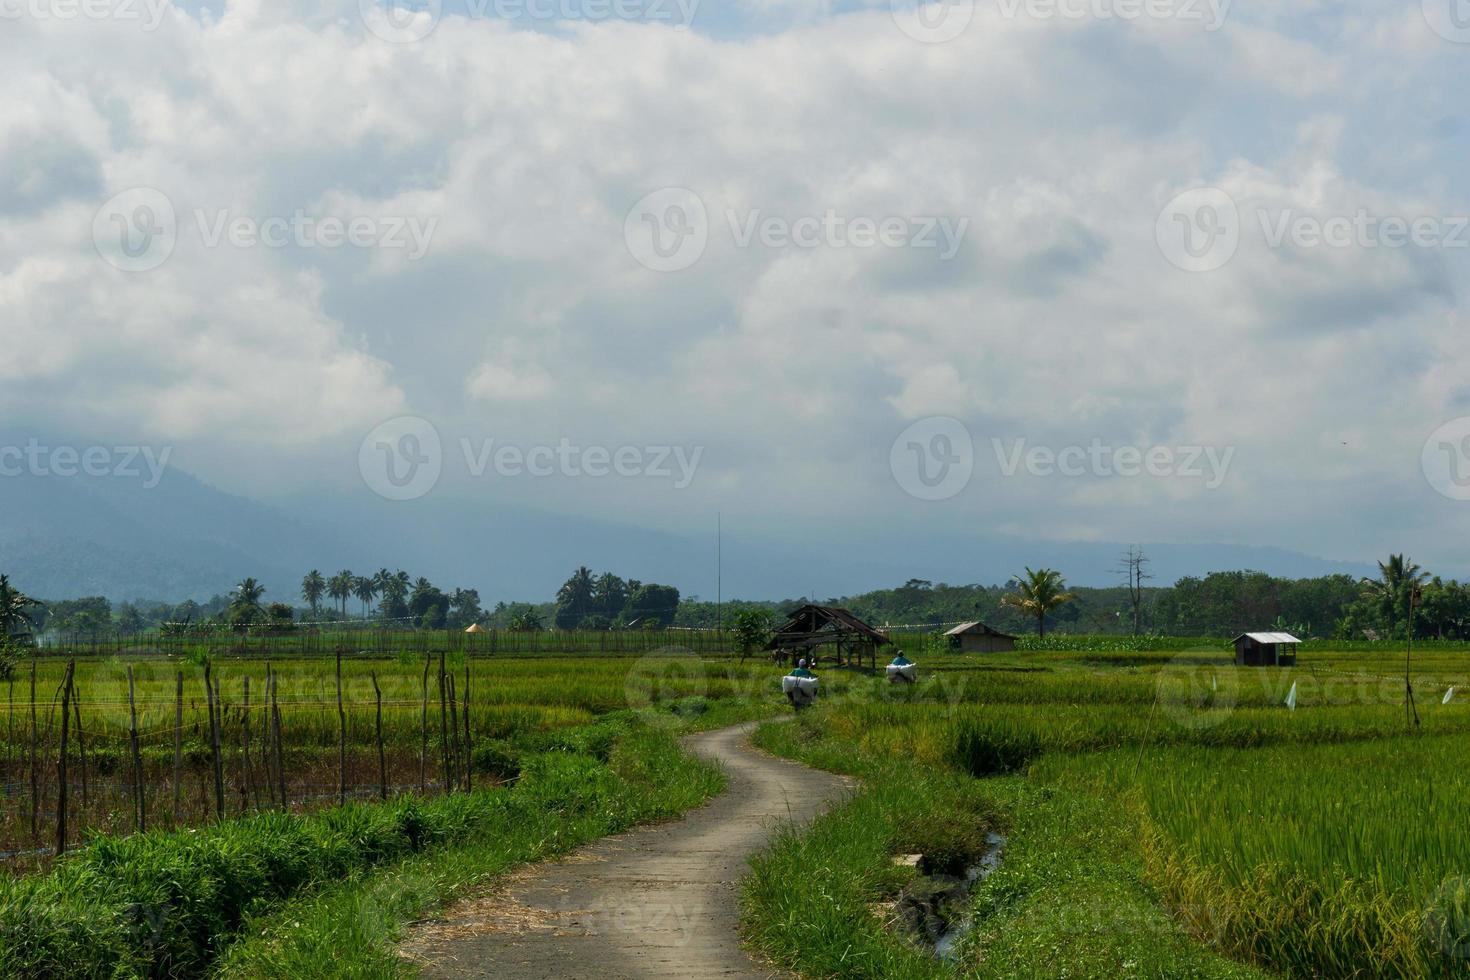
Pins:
<point x="1169" y="814"/>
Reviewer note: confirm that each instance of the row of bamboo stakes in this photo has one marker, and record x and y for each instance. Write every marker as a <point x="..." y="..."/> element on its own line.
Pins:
<point x="455" y="730"/>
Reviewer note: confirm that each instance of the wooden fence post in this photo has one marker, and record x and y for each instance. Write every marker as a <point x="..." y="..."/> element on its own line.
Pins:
<point x="61" y="786"/>
<point x="178" y="741"/>
<point x="341" y="736"/>
<point x="9" y="724"/>
<point x="276" y="738"/>
<point x="424" y="732"/>
<point x="35" y="772"/>
<point x="443" y="722"/>
<point x="452" y="777"/>
<point x="76" y="707"/>
<point x="382" y="756"/>
<point x="211" y="693"/>
<point x="469" y="764"/>
<point x="137" y="755"/>
<point x="265" y="739"/>
<point x="245" y="746"/>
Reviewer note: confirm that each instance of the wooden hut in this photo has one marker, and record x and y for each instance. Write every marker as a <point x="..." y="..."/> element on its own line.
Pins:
<point x="979" y="638"/>
<point x="1266" y="650"/>
<point x="817" y="631"/>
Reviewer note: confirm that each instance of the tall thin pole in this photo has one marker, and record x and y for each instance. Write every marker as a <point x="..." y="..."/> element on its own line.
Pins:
<point x="1411" y="710"/>
<point x="138" y="789"/>
<point x="61" y="786"/>
<point x="178" y="741"/>
<point x="719" y="577"/>
<point x="341" y="736"/>
<point x="212" y="702"/>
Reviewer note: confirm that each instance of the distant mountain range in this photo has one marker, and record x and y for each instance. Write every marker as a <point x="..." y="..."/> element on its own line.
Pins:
<point x="76" y="536"/>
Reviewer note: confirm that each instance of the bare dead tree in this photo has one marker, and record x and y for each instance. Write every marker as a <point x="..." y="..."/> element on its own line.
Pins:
<point x="1133" y="566"/>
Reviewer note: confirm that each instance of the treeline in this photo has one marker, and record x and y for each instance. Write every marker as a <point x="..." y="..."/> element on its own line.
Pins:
<point x="607" y="601"/>
<point x="1401" y="598"/>
<point x="1218" y="604"/>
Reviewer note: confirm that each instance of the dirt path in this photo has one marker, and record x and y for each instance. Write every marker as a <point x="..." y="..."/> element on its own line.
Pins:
<point x="656" y="902"/>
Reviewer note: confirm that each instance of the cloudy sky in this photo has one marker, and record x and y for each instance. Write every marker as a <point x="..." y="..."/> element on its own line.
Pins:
<point x="1111" y="270"/>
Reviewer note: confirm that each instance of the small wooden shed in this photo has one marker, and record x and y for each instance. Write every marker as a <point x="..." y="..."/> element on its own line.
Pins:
<point x="813" y="627"/>
<point x="1266" y="650"/>
<point x="979" y="638"/>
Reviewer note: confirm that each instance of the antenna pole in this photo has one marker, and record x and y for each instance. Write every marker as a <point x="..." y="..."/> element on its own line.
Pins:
<point x="719" y="575"/>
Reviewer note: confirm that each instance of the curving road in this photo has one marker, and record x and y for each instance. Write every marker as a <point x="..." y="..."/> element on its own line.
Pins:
<point x="660" y="901"/>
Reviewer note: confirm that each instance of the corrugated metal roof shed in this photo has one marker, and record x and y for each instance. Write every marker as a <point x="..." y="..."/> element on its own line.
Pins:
<point x="1268" y="637"/>
<point x="976" y="626"/>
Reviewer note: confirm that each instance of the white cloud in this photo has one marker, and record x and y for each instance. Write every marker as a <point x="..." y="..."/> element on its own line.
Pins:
<point x="1058" y="319"/>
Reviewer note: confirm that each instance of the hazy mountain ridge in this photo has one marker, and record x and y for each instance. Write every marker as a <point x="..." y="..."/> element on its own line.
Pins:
<point x="68" y="537"/>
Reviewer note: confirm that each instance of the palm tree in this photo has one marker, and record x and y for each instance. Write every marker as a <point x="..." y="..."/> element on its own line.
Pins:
<point x="312" y="587"/>
<point x="364" y="588"/>
<point x="339" y="587"/>
<point x="245" y="603"/>
<point x="382" y="580"/>
<point x="574" y="598"/>
<point x="16" y="615"/>
<point x="1037" y="594"/>
<point x="394" y="586"/>
<point x="1393" y="590"/>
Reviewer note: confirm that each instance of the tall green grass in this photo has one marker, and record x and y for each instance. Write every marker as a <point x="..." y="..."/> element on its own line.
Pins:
<point x="167" y="904"/>
<point x="1320" y="859"/>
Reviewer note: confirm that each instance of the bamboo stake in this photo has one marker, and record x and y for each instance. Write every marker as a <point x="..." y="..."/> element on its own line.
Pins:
<point x="265" y="741"/>
<point x="31" y="762"/>
<point x="276" y="737"/>
<point x="61" y="786"/>
<point x="341" y="737"/>
<point x="76" y="707"/>
<point x="211" y="692"/>
<point x="382" y="757"/>
<point x="424" y="732"/>
<point x="451" y="781"/>
<point x="178" y="741"/>
<point x="245" y="746"/>
<point x="9" y="727"/>
<point x="137" y="755"/>
<point x="443" y="722"/>
<point x="469" y="766"/>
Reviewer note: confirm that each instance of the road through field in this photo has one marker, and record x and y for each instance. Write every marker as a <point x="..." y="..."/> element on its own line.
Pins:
<point x="660" y="901"/>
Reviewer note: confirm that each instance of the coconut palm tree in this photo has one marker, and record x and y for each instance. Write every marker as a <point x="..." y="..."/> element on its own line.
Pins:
<point x="574" y="598"/>
<point x="339" y="587"/>
<point x="245" y="602"/>
<point x="312" y="587"/>
<point x="365" y="589"/>
<point x="17" y="611"/>
<point x="1037" y="594"/>
<point x="1394" y="588"/>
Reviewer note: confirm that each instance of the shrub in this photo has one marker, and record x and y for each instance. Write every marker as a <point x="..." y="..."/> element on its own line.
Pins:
<point x="991" y="753"/>
<point x="498" y="758"/>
